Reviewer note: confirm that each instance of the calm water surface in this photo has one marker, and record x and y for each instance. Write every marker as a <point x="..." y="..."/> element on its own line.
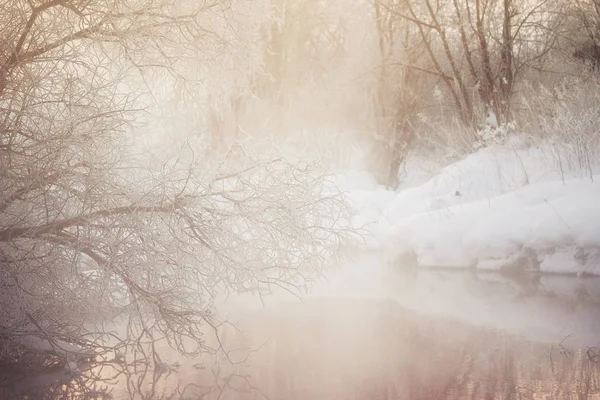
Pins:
<point x="430" y="334"/>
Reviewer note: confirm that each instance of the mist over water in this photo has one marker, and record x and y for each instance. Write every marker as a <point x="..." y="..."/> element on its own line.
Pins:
<point x="549" y="308"/>
<point x="375" y="330"/>
<point x="176" y="174"/>
<point x="372" y="330"/>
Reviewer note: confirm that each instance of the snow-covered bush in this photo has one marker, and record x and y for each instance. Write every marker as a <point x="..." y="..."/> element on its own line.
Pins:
<point x="574" y="125"/>
<point x="491" y="134"/>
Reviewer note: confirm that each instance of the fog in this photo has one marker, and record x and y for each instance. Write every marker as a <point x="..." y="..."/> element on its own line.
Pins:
<point x="371" y="331"/>
<point x="299" y="199"/>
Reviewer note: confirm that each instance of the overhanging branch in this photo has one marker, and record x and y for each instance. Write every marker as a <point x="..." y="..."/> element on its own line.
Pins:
<point x="9" y="234"/>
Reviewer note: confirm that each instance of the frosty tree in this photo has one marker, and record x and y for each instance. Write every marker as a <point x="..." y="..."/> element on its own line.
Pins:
<point x="91" y="231"/>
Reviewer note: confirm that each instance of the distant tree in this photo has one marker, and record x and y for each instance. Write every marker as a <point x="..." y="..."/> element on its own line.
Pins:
<point x="586" y="14"/>
<point x="398" y="89"/>
<point x="92" y="231"/>
<point x="479" y="48"/>
<point x="302" y="39"/>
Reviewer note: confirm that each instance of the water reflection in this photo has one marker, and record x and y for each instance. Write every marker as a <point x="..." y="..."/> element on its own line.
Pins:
<point x="340" y="348"/>
<point x="53" y="383"/>
<point x="546" y="308"/>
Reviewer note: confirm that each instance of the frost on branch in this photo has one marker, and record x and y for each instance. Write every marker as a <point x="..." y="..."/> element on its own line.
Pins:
<point x="90" y="230"/>
<point x="95" y="242"/>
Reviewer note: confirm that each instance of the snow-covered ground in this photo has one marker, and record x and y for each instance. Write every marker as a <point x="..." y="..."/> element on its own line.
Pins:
<point x="521" y="205"/>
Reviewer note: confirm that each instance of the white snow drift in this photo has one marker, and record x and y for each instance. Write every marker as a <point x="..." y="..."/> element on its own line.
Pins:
<point x="523" y="204"/>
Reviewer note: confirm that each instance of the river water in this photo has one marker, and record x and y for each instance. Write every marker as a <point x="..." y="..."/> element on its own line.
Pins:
<point x="375" y="331"/>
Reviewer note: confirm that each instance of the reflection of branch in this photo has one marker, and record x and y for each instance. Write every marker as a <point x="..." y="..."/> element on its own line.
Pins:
<point x="592" y="354"/>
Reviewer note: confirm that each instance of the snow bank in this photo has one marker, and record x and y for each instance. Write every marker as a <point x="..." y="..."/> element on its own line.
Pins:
<point x="552" y="227"/>
<point x="516" y="206"/>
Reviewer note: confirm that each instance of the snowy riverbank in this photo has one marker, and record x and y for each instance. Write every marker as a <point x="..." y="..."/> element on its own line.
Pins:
<point x="523" y="205"/>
